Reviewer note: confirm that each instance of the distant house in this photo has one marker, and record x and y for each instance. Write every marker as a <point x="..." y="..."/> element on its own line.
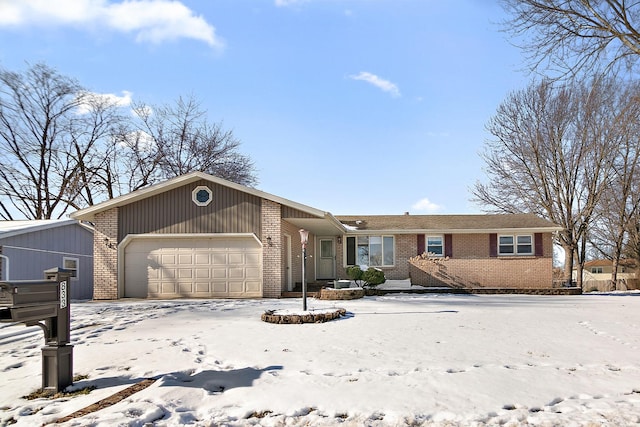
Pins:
<point x="596" y="275"/>
<point x="27" y="248"/>
<point x="201" y="236"/>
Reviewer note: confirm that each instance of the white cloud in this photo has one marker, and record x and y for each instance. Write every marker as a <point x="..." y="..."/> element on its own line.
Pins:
<point x="152" y="21"/>
<point x="378" y="82"/>
<point x="425" y="205"/>
<point x="92" y="98"/>
<point x="140" y="140"/>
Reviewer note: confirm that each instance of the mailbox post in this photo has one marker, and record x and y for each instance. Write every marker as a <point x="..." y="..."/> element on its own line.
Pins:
<point x="57" y="354"/>
<point x="44" y="303"/>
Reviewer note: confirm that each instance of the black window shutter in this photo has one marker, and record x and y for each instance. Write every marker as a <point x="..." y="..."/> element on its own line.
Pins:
<point x="448" y="245"/>
<point x="351" y="251"/>
<point x="493" y="245"/>
<point x="421" y="246"/>
<point x="539" y="244"/>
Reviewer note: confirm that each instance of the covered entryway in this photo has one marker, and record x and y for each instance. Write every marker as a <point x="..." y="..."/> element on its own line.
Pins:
<point x="157" y="266"/>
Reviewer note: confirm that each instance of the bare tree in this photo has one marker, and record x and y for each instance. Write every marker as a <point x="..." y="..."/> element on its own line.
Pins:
<point x="63" y="147"/>
<point x="130" y="163"/>
<point x="615" y="225"/>
<point x="50" y="128"/>
<point x="180" y="140"/>
<point x="552" y="155"/>
<point x="631" y="249"/>
<point x="578" y="35"/>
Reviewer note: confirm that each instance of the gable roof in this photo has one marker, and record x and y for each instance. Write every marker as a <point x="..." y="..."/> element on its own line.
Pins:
<point x="88" y="214"/>
<point x="447" y="223"/>
<point x="15" y="228"/>
<point x="329" y="224"/>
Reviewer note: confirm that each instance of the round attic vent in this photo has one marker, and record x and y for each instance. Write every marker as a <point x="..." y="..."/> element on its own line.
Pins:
<point x="202" y="195"/>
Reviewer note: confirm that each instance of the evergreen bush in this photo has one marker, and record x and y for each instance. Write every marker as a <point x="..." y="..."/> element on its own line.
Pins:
<point x="373" y="277"/>
<point x="370" y="278"/>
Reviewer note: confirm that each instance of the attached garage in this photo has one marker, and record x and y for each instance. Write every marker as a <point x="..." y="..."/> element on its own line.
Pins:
<point x="199" y="236"/>
<point x="184" y="266"/>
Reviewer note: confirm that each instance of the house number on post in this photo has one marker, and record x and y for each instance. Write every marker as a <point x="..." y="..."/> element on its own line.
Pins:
<point x="63" y="294"/>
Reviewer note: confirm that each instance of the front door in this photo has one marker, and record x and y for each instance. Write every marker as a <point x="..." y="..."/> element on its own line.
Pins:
<point x="326" y="262"/>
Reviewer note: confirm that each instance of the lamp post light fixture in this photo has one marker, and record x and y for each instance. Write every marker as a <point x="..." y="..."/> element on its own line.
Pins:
<point x="304" y="239"/>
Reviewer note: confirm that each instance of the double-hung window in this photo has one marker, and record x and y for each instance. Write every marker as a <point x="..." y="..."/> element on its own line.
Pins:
<point x="373" y="251"/>
<point x="435" y="245"/>
<point x="515" y="245"/>
<point x="71" y="264"/>
<point x="596" y="270"/>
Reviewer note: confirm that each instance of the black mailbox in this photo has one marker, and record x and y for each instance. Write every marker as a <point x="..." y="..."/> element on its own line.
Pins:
<point x="44" y="303"/>
<point x="28" y="300"/>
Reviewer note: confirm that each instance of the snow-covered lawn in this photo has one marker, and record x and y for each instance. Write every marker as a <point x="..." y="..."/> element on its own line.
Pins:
<point x="395" y="360"/>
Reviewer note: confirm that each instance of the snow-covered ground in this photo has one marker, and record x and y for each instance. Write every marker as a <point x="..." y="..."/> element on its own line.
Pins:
<point x="444" y="360"/>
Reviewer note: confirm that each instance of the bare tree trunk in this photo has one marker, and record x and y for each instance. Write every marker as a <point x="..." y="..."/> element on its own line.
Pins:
<point x="568" y="265"/>
<point x="614" y="273"/>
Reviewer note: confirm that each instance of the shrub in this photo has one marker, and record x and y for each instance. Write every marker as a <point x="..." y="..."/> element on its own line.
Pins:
<point x="355" y="273"/>
<point x="373" y="277"/>
<point x="370" y="278"/>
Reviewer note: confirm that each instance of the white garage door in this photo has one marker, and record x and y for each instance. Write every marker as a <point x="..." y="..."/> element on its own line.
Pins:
<point x="193" y="267"/>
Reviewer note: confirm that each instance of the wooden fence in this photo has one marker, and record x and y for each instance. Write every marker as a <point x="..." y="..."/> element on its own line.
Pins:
<point x="605" y="285"/>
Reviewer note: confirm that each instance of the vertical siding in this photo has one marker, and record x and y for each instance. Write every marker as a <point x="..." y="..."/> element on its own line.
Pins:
<point x="31" y="253"/>
<point x="173" y="211"/>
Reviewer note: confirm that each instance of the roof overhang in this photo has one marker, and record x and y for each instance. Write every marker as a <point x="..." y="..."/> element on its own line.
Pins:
<point x="456" y="231"/>
<point x="325" y="226"/>
<point x="31" y="226"/>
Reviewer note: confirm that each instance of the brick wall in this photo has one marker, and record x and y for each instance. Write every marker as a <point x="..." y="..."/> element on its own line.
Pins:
<point x="105" y="258"/>
<point x="512" y="272"/>
<point x="471" y="266"/>
<point x="272" y="278"/>
<point x="406" y="247"/>
<point x="469" y="245"/>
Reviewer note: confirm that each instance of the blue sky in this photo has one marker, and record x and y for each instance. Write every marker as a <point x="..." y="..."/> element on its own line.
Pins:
<point x="350" y="106"/>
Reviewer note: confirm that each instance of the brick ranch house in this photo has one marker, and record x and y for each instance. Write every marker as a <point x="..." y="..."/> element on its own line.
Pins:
<point x="201" y="236"/>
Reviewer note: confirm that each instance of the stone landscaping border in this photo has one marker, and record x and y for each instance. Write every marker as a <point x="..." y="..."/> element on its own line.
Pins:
<point x="341" y="294"/>
<point x="270" y="316"/>
<point x="479" y="291"/>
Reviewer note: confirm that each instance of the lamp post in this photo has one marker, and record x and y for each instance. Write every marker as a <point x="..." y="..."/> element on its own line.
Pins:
<point x="304" y="239"/>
